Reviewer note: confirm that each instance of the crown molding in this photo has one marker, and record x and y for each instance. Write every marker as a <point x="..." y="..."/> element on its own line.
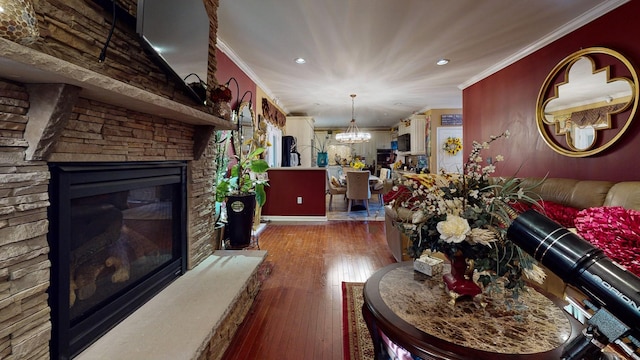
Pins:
<point x="586" y="18"/>
<point x="222" y="46"/>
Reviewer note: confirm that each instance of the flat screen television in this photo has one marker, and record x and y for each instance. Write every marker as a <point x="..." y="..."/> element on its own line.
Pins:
<point x="177" y="33"/>
<point x="404" y="142"/>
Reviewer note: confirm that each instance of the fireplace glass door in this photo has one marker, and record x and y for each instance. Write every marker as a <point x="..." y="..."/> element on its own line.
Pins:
<point x="118" y="239"/>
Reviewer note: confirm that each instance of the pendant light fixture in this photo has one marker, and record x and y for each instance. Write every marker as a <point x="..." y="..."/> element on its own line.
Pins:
<point x="353" y="135"/>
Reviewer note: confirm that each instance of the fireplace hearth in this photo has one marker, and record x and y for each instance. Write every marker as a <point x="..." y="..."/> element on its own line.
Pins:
<point x="117" y="237"/>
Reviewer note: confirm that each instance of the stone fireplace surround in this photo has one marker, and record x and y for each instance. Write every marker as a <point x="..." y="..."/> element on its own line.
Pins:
<point x="77" y="116"/>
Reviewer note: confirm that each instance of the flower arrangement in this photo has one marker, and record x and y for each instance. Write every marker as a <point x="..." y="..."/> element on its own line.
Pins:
<point x="357" y="164"/>
<point x="397" y="165"/>
<point x="221" y="93"/>
<point x="452" y="145"/>
<point x="468" y="214"/>
<point x="248" y="174"/>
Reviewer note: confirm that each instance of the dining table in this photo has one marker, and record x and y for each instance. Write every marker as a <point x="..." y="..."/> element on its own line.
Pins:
<point x="372" y="179"/>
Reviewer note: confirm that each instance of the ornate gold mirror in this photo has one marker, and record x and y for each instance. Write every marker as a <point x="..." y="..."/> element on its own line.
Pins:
<point x="587" y="102"/>
<point x="246" y="124"/>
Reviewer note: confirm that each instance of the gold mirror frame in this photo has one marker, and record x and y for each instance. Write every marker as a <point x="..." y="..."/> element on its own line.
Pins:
<point x="241" y="137"/>
<point x="564" y="66"/>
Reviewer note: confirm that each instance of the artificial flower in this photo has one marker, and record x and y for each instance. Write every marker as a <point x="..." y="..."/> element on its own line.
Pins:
<point x="468" y="214"/>
<point x="452" y="145"/>
<point x="357" y="164"/>
<point x="454" y="229"/>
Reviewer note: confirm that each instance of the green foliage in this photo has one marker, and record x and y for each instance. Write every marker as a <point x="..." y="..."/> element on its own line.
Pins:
<point x="246" y="176"/>
<point x="220" y="163"/>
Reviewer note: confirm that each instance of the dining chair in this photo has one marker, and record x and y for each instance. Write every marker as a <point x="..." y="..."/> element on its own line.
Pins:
<point x="358" y="188"/>
<point x="384" y="173"/>
<point x="378" y="188"/>
<point x="333" y="184"/>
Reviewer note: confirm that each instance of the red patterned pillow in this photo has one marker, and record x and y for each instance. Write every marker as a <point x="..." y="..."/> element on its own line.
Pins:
<point x="396" y="192"/>
<point x="562" y="214"/>
<point x="521" y="207"/>
<point x="559" y="213"/>
<point x="616" y="231"/>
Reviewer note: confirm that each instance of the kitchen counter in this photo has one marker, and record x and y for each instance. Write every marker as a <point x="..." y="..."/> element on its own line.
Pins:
<point x="296" y="194"/>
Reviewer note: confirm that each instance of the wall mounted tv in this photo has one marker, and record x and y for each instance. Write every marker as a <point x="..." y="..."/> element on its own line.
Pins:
<point x="404" y="142"/>
<point x="177" y="33"/>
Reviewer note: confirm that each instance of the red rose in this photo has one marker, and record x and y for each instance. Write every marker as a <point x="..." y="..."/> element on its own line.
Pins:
<point x="221" y="93"/>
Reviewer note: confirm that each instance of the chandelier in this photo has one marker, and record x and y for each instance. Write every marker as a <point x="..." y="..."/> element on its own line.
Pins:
<point x="353" y="135"/>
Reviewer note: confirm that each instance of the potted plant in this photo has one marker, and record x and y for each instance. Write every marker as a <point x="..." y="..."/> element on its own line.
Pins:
<point x="220" y="163"/>
<point x="241" y="188"/>
<point x="321" y="148"/>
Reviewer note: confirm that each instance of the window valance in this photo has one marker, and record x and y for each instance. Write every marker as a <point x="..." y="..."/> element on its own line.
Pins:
<point x="272" y="114"/>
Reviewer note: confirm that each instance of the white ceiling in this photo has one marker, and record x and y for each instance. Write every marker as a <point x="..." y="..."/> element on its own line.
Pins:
<point x="385" y="51"/>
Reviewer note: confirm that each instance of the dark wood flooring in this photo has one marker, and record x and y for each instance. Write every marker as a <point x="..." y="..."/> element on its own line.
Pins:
<point x="298" y="311"/>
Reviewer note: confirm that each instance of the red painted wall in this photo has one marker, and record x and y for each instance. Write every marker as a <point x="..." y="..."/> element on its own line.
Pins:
<point x="286" y="185"/>
<point x="507" y="100"/>
<point x="225" y="70"/>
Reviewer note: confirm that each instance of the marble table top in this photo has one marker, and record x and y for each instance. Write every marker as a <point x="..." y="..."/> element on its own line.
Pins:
<point x="423" y="302"/>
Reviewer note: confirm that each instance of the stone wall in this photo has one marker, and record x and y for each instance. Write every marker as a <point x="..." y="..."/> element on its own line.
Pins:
<point x="25" y="328"/>
<point x="75" y="30"/>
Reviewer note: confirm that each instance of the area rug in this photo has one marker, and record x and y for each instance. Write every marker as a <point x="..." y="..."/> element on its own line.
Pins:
<point x="356" y="341"/>
<point x="339" y="212"/>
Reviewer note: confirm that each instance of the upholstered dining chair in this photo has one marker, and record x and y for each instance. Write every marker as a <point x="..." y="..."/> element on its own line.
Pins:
<point x="378" y="188"/>
<point x="333" y="184"/>
<point x="358" y="188"/>
<point x="385" y="173"/>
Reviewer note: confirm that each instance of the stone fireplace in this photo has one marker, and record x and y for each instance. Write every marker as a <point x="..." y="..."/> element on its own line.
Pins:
<point x="53" y="112"/>
<point x="60" y="106"/>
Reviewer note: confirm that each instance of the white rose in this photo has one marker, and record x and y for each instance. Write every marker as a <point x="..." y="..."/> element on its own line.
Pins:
<point x="454" y="229"/>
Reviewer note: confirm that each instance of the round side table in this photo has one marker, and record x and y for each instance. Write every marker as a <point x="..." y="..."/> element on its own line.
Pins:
<point x="415" y="312"/>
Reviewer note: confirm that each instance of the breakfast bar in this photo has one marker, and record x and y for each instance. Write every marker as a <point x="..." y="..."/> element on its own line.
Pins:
<point x="296" y="193"/>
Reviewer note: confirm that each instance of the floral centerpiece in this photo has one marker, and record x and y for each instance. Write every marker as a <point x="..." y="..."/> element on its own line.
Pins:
<point x="357" y="164"/>
<point x="466" y="216"/>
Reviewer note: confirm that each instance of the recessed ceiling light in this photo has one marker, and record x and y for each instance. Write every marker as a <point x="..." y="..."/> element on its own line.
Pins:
<point x="442" y="62"/>
<point x="300" y="60"/>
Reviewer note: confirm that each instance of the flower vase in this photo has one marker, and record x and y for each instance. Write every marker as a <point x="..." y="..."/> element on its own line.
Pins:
<point x="323" y="159"/>
<point x="456" y="281"/>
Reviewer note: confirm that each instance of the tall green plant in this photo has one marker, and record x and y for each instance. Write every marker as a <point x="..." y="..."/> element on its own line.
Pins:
<point x="247" y="176"/>
<point x="220" y="164"/>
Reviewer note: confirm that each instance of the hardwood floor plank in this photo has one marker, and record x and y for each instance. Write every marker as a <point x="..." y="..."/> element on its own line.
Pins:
<point x="298" y="311"/>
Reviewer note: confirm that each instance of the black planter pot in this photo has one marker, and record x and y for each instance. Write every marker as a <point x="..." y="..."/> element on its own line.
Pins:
<point x="240" y="212"/>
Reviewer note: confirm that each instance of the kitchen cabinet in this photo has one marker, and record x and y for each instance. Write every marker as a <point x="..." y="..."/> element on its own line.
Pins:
<point x="415" y="126"/>
<point x="301" y="127"/>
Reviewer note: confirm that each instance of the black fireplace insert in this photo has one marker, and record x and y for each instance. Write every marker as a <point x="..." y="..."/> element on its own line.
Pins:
<point x="117" y="237"/>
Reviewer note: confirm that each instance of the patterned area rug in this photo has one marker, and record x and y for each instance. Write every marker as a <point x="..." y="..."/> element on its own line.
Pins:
<point x="339" y="210"/>
<point x="356" y="341"/>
